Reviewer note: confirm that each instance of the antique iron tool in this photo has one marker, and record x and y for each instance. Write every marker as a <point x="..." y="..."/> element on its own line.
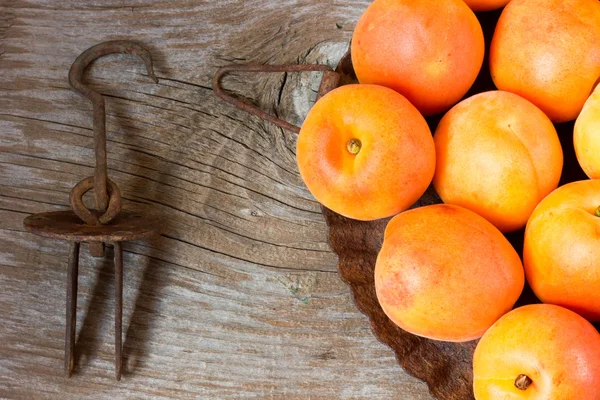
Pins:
<point x="104" y="224"/>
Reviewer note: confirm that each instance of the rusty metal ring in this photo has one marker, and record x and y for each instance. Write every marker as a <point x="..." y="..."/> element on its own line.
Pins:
<point x="87" y="216"/>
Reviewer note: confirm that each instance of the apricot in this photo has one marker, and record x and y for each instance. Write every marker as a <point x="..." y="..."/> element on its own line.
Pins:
<point x="446" y="273"/>
<point x="365" y="152"/>
<point x="548" y="51"/>
<point x="486" y="5"/>
<point x="586" y="136"/>
<point x="497" y="155"/>
<point x="538" y="351"/>
<point x="428" y="50"/>
<point x="561" y="253"/>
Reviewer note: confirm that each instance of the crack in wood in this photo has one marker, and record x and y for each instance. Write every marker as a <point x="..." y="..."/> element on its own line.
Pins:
<point x="246" y="261"/>
<point x="162" y="78"/>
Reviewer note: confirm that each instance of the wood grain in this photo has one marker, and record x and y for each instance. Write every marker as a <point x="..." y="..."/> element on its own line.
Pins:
<point x="239" y="297"/>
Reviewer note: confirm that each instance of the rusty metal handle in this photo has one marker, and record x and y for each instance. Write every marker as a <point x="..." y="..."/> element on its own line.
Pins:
<point x="75" y="80"/>
<point x="330" y="80"/>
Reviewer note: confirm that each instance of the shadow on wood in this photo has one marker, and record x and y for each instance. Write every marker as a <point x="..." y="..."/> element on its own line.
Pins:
<point x="138" y="332"/>
<point x="88" y="342"/>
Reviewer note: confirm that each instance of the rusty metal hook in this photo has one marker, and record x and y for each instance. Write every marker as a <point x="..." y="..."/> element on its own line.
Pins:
<point x="330" y="80"/>
<point x="100" y="178"/>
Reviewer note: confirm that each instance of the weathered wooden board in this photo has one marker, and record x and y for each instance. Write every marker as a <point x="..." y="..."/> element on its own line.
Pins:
<point x="239" y="297"/>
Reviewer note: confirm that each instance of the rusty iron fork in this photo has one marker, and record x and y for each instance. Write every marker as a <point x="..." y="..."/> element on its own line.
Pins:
<point x="106" y="223"/>
<point x="106" y="193"/>
<point x="330" y="81"/>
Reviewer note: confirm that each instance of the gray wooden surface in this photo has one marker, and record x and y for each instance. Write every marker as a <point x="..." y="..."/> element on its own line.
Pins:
<point x="239" y="297"/>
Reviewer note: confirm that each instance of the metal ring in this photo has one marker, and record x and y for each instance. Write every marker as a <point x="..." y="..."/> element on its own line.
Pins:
<point x="87" y="216"/>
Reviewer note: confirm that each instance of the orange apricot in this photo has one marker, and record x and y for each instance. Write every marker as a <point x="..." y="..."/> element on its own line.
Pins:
<point x="428" y="50"/>
<point x="538" y="351"/>
<point x="365" y="152"/>
<point x="498" y="155"/>
<point x="586" y="136"/>
<point x="561" y="253"/>
<point x="548" y="51"/>
<point x="446" y="273"/>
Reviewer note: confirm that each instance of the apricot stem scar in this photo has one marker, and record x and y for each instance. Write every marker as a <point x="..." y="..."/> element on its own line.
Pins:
<point x="522" y="382"/>
<point x="354" y="146"/>
<point x="598" y="211"/>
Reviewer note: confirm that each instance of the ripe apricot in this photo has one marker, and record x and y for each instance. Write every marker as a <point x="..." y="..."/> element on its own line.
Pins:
<point x="428" y="50"/>
<point x="586" y="136"/>
<point x="486" y="5"/>
<point x="446" y="273"/>
<point x="548" y="51"/>
<point x="538" y="351"/>
<point x="365" y="152"/>
<point x="498" y="155"/>
<point x="561" y="251"/>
